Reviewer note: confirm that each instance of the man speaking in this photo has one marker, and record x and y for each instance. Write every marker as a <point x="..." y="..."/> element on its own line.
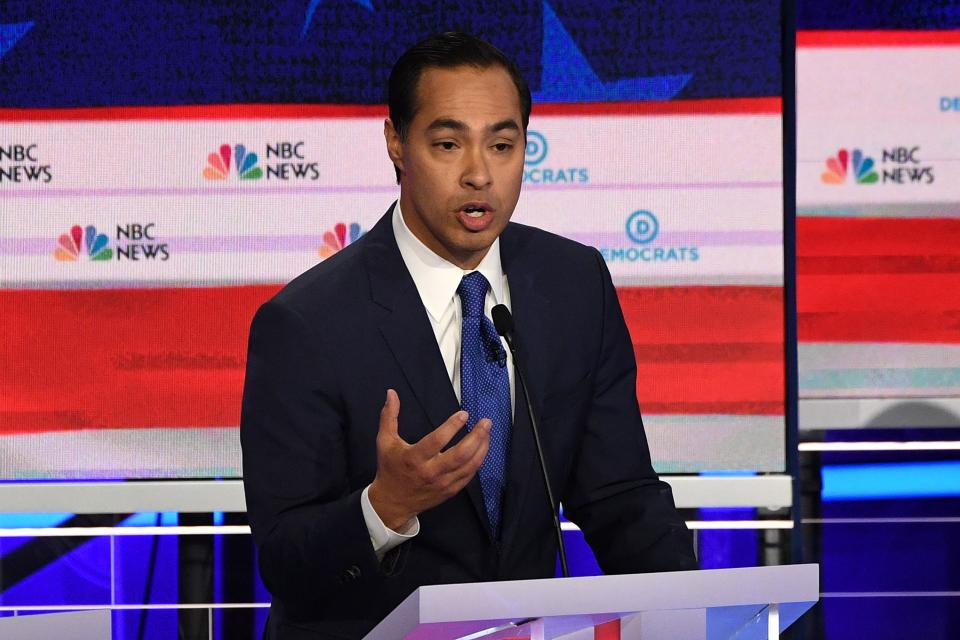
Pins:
<point x="386" y="442"/>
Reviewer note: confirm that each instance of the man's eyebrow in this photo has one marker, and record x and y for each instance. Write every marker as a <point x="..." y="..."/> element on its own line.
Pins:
<point x="508" y="124"/>
<point x="447" y="123"/>
<point x="458" y="125"/>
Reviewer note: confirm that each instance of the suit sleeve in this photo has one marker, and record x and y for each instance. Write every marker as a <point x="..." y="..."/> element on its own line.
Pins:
<point x="627" y="514"/>
<point x="306" y="521"/>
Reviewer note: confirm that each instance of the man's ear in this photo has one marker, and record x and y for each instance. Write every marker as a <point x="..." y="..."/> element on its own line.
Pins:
<point x="394" y="144"/>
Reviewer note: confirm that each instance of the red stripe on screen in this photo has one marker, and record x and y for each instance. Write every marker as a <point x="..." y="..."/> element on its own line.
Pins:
<point x="811" y="39"/>
<point x="704" y="315"/>
<point x="712" y="349"/>
<point x="774" y="408"/>
<point x="835" y="265"/>
<point x="917" y="327"/>
<point x="122" y="358"/>
<point x="841" y="236"/>
<point x="880" y="294"/>
<point x="878" y="280"/>
<point x="711" y="106"/>
<point x="198" y="112"/>
<point x="100" y="359"/>
<point x="717" y="106"/>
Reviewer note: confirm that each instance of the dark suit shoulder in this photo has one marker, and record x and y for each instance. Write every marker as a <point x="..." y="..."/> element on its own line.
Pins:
<point x="533" y="240"/>
<point x="557" y="263"/>
<point x="335" y="281"/>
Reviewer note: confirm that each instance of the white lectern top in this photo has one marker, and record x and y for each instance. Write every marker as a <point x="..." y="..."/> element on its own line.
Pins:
<point x="754" y="602"/>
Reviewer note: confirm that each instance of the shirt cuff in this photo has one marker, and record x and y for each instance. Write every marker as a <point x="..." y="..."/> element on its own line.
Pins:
<point x="382" y="537"/>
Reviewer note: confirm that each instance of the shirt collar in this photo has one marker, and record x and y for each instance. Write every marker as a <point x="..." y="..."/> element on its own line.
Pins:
<point x="436" y="278"/>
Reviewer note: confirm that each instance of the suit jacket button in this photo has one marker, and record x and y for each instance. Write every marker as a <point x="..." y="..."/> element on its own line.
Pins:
<point x="352" y="573"/>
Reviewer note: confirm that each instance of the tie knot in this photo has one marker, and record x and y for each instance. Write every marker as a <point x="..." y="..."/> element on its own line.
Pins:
<point x="472" y="291"/>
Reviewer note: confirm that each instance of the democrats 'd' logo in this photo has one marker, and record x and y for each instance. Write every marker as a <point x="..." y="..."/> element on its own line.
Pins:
<point x="950" y="103"/>
<point x="536" y="150"/>
<point x="644" y="243"/>
<point x="537" y="170"/>
<point x="642" y="227"/>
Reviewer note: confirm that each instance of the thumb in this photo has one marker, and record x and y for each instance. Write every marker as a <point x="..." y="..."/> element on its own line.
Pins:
<point x="390" y="414"/>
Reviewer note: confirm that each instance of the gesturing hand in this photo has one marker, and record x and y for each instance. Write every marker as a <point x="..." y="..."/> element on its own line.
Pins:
<point x="412" y="478"/>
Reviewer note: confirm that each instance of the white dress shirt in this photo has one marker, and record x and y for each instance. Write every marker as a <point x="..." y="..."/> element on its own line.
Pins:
<point x="437" y="281"/>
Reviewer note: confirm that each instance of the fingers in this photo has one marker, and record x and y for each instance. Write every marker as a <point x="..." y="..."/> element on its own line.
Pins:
<point x="434" y="442"/>
<point x="465" y="452"/>
<point x="460" y="477"/>
<point x="390" y="414"/>
<point x="478" y="453"/>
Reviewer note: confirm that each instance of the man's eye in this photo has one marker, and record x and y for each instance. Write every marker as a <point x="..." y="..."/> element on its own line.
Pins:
<point x="503" y="146"/>
<point x="446" y="145"/>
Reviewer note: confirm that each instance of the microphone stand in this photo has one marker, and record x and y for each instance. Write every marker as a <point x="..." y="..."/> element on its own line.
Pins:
<point x="503" y="322"/>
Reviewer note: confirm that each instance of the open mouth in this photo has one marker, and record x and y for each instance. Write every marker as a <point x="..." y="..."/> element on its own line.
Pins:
<point x="474" y="211"/>
<point x="476" y="216"/>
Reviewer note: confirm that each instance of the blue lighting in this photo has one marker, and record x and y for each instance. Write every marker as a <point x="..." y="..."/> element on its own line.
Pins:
<point x="728" y="473"/>
<point x="891" y="480"/>
<point x="149" y="519"/>
<point x="31" y="520"/>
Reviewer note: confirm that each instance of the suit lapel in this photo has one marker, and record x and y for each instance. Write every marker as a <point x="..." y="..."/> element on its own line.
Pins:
<point x="529" y="309"/>
<point x="407" y="331"/>
<point x="406" y="328"/>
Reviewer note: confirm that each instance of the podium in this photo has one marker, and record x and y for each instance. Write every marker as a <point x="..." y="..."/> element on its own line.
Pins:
<point x="746" y="604"/>
<point x="94" y="624"/>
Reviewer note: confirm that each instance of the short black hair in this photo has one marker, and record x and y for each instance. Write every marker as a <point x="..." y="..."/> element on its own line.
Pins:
<point x="446" y="51"/>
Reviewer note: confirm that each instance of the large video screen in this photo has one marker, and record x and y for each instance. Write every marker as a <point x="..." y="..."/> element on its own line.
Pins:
<point x="165" y="167"/>
<point x="878" y="195"/>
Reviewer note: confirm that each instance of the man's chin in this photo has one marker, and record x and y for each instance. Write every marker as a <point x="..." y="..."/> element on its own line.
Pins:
<point x="470" y="250"/>
<point x="474" y="241"/>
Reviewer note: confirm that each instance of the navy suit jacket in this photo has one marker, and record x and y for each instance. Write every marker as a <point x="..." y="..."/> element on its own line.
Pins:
<point x="322" y="354"/>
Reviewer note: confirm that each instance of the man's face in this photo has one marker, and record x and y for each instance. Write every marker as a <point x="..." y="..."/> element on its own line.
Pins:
<point x="462" y="162"/>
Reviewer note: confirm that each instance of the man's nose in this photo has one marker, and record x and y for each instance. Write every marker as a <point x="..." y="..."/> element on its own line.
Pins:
<point x="476" y="171"/>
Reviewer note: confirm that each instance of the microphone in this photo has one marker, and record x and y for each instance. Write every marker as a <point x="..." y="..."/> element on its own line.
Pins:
<point x="503" y="321"/>
<point x="495" y="351"/>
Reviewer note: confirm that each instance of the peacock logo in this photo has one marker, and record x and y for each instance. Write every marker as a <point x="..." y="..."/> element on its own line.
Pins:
<point x="71" y="245"/>
<point x="218" y="164"/>
<point x="339" y="237"/>
<point x="837" y="167"/>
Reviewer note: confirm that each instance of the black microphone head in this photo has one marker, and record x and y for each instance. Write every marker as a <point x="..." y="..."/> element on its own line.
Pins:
<point x="502" y="320"/>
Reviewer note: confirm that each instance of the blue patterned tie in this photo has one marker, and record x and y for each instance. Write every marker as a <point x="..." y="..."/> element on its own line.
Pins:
<point x="485" y="389"/>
